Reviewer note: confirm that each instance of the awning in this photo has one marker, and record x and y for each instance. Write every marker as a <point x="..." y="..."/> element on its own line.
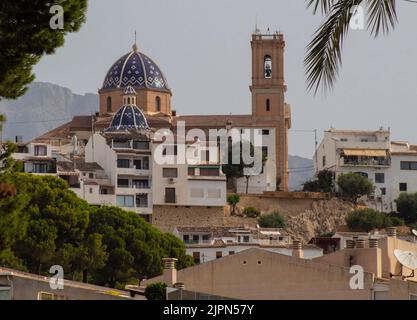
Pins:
<point x="365" y="152"/>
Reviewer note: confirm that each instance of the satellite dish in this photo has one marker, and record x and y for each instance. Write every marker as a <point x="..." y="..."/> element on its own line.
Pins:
<point x="407" y="259"/>
<point x="414" y="232"/>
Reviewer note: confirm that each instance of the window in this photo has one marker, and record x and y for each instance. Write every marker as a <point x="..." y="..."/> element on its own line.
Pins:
<point x="231" y="252"/>
<point x="364" y="140"/>
<point x="170" y="150"/>
<point x="91" y="190"/>
<point x="104" y="191"/>
<point x="40" y="168"/>
<point x="125" y="201"/>
<point x="268" y="67"/>
<point x="123" y="163"/>
<point x="245" y="238"/>
<point x="210" y="172"/>
<point x="40" y="150"/>
<point x="344" y="139"/>
<point x="5" y="293"/>
<point x="142" y="200"/>
<point x="141" y="164"/>
<point x="123" y="183"/>
<point x="379" y="177"/>
<point x="265" y="132"/>
<point x="141" y="145"/>
<point x="158" y="103"/>
<point x="324" y="161"/>
<point x="408" y="165"/>
<point x="170" y="172"/>
<point x="196" y="256"/>
<point x="265" y="152"/>
<point x="170" y="195"/>
<point x="91" y="175"/>
<point x="140" y="184"/>
<point x="403" y="187"/>
<point x="219" y="254"/>
<point x="206" y="237"/>
<point x="186" y="238"/>
<point x="268" y="105"/>
<point x="123" y="144"/>
<point x="383" y="191"/>
<point x="108" y="104"/>
<point x="191" y="171"/>
<point x="196" y="238"/>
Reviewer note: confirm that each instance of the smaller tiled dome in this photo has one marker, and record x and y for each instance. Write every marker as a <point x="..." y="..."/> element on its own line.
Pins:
<point x="128" y="117"/>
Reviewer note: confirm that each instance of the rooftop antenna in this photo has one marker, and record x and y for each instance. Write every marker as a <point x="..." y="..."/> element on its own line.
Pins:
<point x="407" y="259"/>
<point x="257" y="31"/>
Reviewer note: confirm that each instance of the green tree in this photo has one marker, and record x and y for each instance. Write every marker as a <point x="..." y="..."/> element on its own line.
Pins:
<point x="46" y="224"/>
<point x="241" y="169"/>
<point x="26" y="35"/>
<point x="156" y="291"/>
<point x="233" y="200"/>
<point x="271" y="220"/>
<point x="407" y="207"/>
<point x="352" y="186"/>
<point x="367" y="220"/>
<point x="322" y="182"/>
<point x="324" y="52"/>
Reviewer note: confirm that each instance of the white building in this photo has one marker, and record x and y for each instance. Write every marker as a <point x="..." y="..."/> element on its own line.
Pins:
<point x="209" y="243"/>
<point x="390" y="166"/>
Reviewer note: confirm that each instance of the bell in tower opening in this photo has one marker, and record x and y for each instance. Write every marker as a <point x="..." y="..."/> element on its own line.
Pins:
<point x="268" y="67"/>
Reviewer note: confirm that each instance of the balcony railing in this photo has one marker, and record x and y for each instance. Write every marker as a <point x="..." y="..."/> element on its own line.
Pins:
<point x="367" y="162"/>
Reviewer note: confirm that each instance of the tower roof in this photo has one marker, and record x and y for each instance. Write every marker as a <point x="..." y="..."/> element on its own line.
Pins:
<point x="137" y="70"/>
<point x="128" y="118"/>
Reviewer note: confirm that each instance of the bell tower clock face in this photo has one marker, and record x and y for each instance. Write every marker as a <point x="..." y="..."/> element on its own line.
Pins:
<point x="267" y="67"/>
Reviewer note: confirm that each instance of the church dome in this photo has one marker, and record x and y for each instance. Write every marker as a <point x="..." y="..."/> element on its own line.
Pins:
<point x="137" y="70"/>
<point x="128" y="117"/>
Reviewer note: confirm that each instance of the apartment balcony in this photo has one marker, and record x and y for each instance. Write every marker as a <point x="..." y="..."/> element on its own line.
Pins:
<point x="370" y="162"/>
<point x="384" y="145"/>
<point x="128" y="190"/>
<point x="134" y="172"/>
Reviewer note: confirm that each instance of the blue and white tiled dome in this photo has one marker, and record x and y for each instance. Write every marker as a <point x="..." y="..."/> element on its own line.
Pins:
<point x="128" y="118"/>
<point x="137" y="70"/>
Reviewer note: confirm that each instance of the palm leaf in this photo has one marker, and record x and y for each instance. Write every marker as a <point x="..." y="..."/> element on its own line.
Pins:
<point x="381" y="16"/>
<point x="323" y="58"/>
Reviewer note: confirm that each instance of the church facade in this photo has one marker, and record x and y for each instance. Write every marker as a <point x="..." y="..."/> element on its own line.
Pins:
<point x="109" y="158"/>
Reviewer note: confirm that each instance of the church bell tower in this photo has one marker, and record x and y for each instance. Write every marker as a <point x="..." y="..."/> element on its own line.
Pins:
<point x="268" y="95"/>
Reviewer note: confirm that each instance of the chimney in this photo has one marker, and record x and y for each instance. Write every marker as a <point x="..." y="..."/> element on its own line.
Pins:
<point x="297" y="249"/>
<point x="373" y="243"/>
<point x="392" y="232"/>
<point x="170" y="273"/>
<point x="350" y="244"/>
<point x="174" y="113"/>
<point x="179" y="286"/>
<point x="360" y="243"/>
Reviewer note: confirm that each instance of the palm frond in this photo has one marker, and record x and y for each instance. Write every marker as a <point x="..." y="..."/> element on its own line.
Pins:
<point x="324" y="5"/>
<point x="324" y="51"/>
<point x="382" y="16"/>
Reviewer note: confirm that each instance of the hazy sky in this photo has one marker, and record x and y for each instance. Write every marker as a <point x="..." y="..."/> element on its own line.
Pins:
<point x="203" y="48"/>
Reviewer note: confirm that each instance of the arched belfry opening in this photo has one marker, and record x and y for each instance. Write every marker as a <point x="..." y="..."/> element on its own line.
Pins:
<point x="267" y="67"/>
